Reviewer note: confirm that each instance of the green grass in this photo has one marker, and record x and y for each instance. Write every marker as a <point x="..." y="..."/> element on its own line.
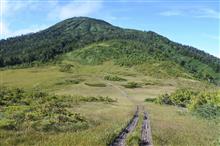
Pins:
<point x="169" y="127"/>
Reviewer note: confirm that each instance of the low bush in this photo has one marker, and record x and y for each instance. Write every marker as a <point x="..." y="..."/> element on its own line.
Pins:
<point x="150" y="99"/>
<point x="114" y="78"/>
<point x="132" y="85"/>
<point x="96" y="84"/>
<point x="66" y="67"/>
<point x="97" y="99"/>
<point x="38" y="110"/>
<point x="41" y="111"/>
<point x="204" y="104"/>
<point x="208" y="111"/>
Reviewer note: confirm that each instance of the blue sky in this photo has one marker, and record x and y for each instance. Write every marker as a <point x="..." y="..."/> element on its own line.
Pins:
<point x="190" y="22"/>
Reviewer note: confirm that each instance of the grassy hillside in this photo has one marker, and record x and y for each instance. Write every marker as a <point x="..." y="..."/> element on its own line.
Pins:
<point x="155" y="62"/>
<point x="132" y="46"/>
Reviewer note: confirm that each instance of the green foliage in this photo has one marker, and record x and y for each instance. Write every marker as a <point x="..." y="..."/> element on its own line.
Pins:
<point x="41" y="111"/>
<point x="113" y="78"/>
<point x="97" y="99"/>
<point x="164" y="99"/>
<point x="208" y="111"/>
<point x="132" y="85"/>
<point x="150" y="99"/>
<point x="204" y="104"/>
<point x="66" y="67"/>
<point x="150" y="62"/>
<point x="96" y="84"/>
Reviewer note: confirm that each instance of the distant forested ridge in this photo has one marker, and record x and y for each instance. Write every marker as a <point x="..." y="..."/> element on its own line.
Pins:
<point x="77" y="32"/>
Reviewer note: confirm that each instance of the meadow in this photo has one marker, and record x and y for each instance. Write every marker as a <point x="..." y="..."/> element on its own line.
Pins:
<point x="170" y="125"/>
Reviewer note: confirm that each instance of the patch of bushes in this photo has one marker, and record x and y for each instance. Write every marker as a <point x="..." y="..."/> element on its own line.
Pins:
<point x="96" y="84"/>
<point x="204" y="104"/>
<point x="97" y="99"/>
<point x="208" y="111"/>
<point x="41" y="111"/>
<point x="150" y="99"/>
<point x="132" y="85"/>
<point x="66" y="68"/>
<point x="114" y="78"/>
<point x="69" y="81"/>
<point x="38" y="110"/>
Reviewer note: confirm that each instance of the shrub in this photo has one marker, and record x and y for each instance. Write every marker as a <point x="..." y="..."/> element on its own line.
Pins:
<point x="182" y="97"/>
<point x="113" y="78"/>
<point x="41" y="111"/>
<point x="208" y="111"/>
<point x="164" y="99"/>
<point x="132" y="85"/>
<point x="204" y="104"/>
<point x="66" y="68"/>
<point x="150" y="99"/>
<point x="97" y="99"/>
<point x="8" y="124"/>
<point x="96" y="84"/>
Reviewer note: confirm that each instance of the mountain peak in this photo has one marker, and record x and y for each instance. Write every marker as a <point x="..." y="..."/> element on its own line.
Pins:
<point x="78" y="32"/>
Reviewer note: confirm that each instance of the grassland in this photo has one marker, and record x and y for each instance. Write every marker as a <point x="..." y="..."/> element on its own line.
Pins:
<point x="170" y="125"/>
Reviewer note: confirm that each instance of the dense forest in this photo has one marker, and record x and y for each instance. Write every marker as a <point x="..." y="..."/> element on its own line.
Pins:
<point x="135" y="46"/>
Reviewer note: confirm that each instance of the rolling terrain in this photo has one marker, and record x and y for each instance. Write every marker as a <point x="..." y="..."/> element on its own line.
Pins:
<point x="79" y="83"/>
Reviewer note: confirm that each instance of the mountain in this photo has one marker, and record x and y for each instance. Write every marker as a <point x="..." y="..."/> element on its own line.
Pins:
<point x="129" y="47"/>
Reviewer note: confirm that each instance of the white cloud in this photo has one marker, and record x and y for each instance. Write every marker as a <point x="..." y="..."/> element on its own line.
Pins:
<point x="55" y="9"/>
<point x="10" y="8"/>
<point x="193" y="12"/>
<point x="171" y="13"/>
<point x="207" y="13"/>
<point x="75" y="8"/>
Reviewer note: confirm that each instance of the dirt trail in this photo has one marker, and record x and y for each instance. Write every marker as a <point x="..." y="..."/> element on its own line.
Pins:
<point x="146" y="137"/>
<point x="120" y="139"/>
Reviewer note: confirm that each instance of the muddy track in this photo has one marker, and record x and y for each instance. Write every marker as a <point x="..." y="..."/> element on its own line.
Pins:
<point x="120" y="139"/>
<point x="146" y="137"/>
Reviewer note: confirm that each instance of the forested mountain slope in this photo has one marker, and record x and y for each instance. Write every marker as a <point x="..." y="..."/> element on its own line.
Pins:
<point x="135" y="46"/>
